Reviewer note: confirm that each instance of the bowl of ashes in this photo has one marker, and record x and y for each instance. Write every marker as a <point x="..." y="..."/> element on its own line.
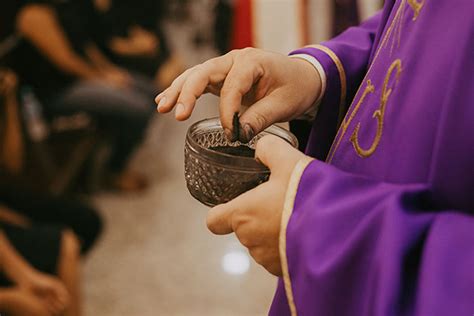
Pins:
<point x="216" y="169"/>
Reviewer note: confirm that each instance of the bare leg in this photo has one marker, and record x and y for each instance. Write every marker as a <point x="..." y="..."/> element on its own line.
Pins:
<point x="68" y="271"/>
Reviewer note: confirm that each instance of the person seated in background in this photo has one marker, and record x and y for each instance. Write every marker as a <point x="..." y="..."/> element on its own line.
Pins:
<point x="131" y="35"/>
<point x="41" y="238"/>
<point x="60" y="61"/>
<point x="39" y="272"/>
<point x="22" y="207"/>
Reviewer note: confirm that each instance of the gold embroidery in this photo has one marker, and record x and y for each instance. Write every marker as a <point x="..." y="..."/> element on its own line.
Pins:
<point x="394" y="27"/>
<point x="416" y="6"/>
<point x="379" y="114"/>
<point x="285" y="218"/>
<point x="369" y="89"/>
<point x="342" y="78"/>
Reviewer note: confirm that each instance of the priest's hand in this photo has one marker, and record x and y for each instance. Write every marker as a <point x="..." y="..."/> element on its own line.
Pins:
<point x="263" y="87"/>
<point x="255" y="216"/>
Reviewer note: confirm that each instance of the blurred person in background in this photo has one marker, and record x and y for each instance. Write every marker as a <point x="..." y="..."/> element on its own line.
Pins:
<point x="26" y="207"/>
<point x="61" y="61"/>
<point x="38" y="272"/>
<point x="41" y="237"/>
<point x="131" y="35"/>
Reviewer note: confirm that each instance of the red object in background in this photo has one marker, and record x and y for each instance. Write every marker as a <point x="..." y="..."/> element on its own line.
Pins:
<point x="245" y="32"/>
<point x="242" y="30"/>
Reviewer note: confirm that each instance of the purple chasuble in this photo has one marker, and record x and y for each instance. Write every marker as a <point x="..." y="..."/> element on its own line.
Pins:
<point x="385" y="226"/>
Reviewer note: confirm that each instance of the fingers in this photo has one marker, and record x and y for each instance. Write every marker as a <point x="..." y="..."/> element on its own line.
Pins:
<point x="189" y="86"/>
<point x="60" y="299"/>
<point x="276" y="154"/>
<point x="54" y="306"/>
<point x="258" y="117"/>
<point x="219" y="219"/>
<point x="224" y="218"/>
<point x="62" y="295"/>
<point x="167" y="99"/>
<point x="238" y="82"/>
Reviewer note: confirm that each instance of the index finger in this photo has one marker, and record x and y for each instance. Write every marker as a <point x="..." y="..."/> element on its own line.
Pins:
<point x="192" y="84"/>
<point x="238" y="83"/>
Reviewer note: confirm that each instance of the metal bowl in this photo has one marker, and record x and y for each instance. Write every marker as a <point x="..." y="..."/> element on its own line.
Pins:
<point x="214" y="177"/>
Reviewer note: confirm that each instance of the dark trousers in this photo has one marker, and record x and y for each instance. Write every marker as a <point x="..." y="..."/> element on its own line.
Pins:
<point x="122" y="114"/>
<point x="43" y="209"/>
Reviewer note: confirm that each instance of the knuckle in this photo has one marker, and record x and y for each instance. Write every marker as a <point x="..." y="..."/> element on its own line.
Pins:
<point x="249" y="50"/>
<point x="211" y="63"/>
<point x="199" y="68"/>
<point x="237" y="221"/>
<point x="227" y="89"/>
<point x="235" y="52"/>
<point x="260" y="119"/>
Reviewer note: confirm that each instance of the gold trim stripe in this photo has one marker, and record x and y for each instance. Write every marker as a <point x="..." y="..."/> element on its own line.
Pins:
<point x="385" y="36"/>
<point x="285" y="218"/>
<point x="342" y="78"/>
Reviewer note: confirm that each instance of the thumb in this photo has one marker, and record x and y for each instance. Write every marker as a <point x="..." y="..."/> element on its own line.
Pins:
<point x="278" y="155"/>
<point x="219" y="219"/>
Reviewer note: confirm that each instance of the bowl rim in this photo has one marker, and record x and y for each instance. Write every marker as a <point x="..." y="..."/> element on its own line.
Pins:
<point x="236" y="163"/>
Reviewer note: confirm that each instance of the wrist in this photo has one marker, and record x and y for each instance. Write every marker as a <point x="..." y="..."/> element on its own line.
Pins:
<point x="311" y="78"/>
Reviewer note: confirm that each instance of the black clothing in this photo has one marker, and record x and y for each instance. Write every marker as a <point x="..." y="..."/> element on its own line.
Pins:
<point x="118" y="20"/>
<point x="79" y="21"/>
<point x="60" y="93"/>
<point x="58" y="212"/>
<point x="39" y="245"/>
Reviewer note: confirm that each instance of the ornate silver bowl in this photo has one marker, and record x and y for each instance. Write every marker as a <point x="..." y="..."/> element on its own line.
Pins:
<point x="215" y="177"/>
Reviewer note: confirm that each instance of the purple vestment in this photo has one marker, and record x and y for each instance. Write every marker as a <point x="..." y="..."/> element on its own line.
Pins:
<point x="385" y="226"/>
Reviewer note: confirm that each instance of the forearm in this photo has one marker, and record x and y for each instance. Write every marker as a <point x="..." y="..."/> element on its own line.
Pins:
<point x="13" y="218"/>
<point x="14" y="266"/>
<point x="39" y="25"/>
<point x="13" y="146"/>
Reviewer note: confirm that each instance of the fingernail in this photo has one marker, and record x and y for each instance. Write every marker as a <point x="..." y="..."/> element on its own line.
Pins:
<point x="228" y="134"/>
<point x="179" y="109"/>
<point x="248" y="132"/>
<point x="162" y="103"/>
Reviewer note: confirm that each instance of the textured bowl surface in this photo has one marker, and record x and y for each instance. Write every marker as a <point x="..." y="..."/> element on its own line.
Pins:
<point x="214" y="177"/>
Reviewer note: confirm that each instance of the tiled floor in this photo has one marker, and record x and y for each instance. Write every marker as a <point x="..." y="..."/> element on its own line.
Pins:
<point x="156" y="256"/>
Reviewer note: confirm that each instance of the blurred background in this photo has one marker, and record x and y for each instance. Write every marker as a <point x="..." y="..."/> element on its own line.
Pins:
<point x="93" y="201"/>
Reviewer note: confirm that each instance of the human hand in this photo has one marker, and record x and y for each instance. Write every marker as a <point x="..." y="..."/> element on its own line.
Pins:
<point x="116" y="77"/>
<point x="16" y="301"/>
<point x="140" y="42"/>
<point x="274" y="87"/>
<point x="47" y="288"/>
<point x="255" y="216"/>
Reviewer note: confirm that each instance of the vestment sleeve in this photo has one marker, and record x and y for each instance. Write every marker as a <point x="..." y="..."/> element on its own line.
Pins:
<point x="351" y="245"/>
<point x="345" y="60"/>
